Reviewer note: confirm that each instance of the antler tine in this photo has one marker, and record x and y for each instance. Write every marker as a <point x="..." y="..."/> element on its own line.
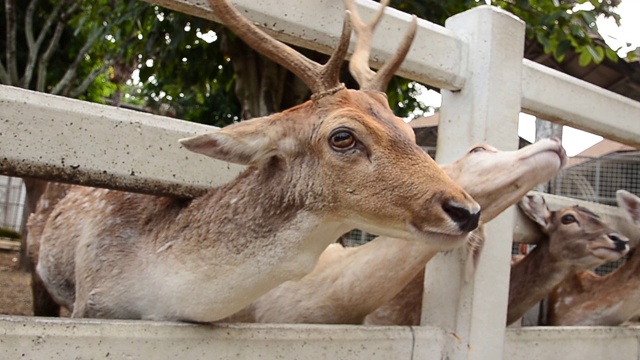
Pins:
<point x="321" y="79"/>
<point x="359" y="64"/>
<point x="386" y="72"/>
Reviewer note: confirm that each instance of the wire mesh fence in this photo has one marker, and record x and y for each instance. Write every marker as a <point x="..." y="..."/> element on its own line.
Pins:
<point x="598" y="179"/>
<point x="12" y="197"/>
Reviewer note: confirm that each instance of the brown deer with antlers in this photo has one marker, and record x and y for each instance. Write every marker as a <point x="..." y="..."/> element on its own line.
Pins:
<point x="589" y="299"/>
<point x="339" y="161"/>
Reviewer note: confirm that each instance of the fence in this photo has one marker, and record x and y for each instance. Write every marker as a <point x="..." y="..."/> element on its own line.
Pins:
<point x="12" y="194"/>
<point x="476" y="59"/>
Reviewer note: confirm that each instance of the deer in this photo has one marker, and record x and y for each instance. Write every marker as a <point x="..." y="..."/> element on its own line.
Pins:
<point x="347" y="284"/>
<point x="610" y="300"/>
<point x="341" y="160"/>
<point x="574" y="239"/>
<point x="43" y="304"/>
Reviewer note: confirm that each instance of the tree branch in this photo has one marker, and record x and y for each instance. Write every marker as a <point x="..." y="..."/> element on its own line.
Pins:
<point x="34" y="46"/>
<point x="88" y="80"/>
<point x="28" y="23"/>
<point x="41" y="81"/>
<point x="4" y="75"/>
<point x="70" y="74"/>
<point x="11" y="52"/>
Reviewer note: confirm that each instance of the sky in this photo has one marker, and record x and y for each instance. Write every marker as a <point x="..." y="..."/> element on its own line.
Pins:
<point x="573" y="140"/>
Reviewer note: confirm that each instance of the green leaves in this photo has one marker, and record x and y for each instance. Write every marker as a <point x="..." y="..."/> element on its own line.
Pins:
<point x="560" y="28"/>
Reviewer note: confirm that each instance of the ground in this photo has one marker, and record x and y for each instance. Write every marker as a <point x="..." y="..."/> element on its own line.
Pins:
<point x="15" y="286"/>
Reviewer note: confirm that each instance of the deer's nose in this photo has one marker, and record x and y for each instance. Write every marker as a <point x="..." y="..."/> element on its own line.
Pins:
<point x="466" y="220"/>
<point x="620" y="243"/>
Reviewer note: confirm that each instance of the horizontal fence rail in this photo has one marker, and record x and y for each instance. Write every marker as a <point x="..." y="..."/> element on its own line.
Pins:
<point x="561" y="98"/>
<point x="56" y="138"/>
<point x="41" y="338"/>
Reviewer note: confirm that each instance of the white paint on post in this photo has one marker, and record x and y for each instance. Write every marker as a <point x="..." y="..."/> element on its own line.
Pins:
<point x="485" y="110"/>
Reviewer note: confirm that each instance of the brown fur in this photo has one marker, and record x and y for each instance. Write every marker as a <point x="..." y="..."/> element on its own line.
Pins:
<point x="349" y="283"/>
<point x="565" y="249"/>
<point x="589" y="299"/>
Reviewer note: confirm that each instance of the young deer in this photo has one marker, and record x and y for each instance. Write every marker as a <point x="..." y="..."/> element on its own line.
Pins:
<point x="589" y="299"/>
<point x="339" y="161"/>
<point x="575" y="239"/>
<point x="349" y="283"/>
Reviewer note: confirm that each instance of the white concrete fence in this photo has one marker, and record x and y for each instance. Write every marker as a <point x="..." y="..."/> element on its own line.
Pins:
<point x="476" y="59"/>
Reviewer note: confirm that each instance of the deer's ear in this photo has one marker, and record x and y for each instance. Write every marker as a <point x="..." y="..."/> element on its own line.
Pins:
<point x="246" y="143"/>
<point x="536" y="209"/>
<point x="630" y="204"/>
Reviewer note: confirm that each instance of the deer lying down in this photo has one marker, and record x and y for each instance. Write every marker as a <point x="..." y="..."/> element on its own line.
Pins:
<point x="575" y="239"/>
<point x="349" y="283"/>
<point x="339" y="161"/>
<point x="589" y="299"/>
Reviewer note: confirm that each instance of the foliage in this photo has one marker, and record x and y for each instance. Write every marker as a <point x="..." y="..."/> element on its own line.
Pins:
<point x="8" y="233"/>
<point x="559" y="27"/>
<point x="183" y="68"/>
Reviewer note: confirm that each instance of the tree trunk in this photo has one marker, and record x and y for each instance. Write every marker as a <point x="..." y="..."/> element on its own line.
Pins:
<point x="262" y="86"/>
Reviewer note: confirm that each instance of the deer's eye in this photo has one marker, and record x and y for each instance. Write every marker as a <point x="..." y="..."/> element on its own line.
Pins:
<point x="568" y="219"/>
<point x="478" y="149"/>
<point x="342" y="140"/>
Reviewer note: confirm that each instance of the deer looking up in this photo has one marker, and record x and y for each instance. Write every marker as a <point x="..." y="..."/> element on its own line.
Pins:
<point x="576" y="239"/>
<point x="589" y="299"/>
<point x="349" y="283"/>
<point x="339" y="161"/>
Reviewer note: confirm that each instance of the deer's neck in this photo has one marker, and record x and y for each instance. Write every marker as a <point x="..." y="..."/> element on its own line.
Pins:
<point x="391" y="264"/>
<point x="629" y="272"/>
<point x="601" y="300"/>
<point x="405" y="308"/>
<point x="377" y="272"/>
<point x="261" y="228"/>
<point x="532" y="278"/>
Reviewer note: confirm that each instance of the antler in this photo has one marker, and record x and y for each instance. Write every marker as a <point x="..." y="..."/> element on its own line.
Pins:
<point x="359" y="64"/>
<point x="321" y="79"/>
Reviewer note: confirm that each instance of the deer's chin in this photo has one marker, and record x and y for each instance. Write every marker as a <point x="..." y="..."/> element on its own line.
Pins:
<point x="608" y="254"/>
<point x="441" y="240"/>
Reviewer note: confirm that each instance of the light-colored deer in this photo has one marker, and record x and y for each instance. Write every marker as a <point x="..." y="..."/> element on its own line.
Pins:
<point x="339" y="161"/>
<point x="575" y="239"/>
<point x="589" y="299"/>
<point x="349" y="283"/>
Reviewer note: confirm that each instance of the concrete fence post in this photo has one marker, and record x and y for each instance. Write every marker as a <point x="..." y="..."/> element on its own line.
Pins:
<point x="485" y="110"/>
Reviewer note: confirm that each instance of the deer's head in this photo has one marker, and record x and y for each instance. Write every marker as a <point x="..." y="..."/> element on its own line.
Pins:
<point x="354" y="160"/>
<point x="576" y="235"/>
<point x="498" y="179"/>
